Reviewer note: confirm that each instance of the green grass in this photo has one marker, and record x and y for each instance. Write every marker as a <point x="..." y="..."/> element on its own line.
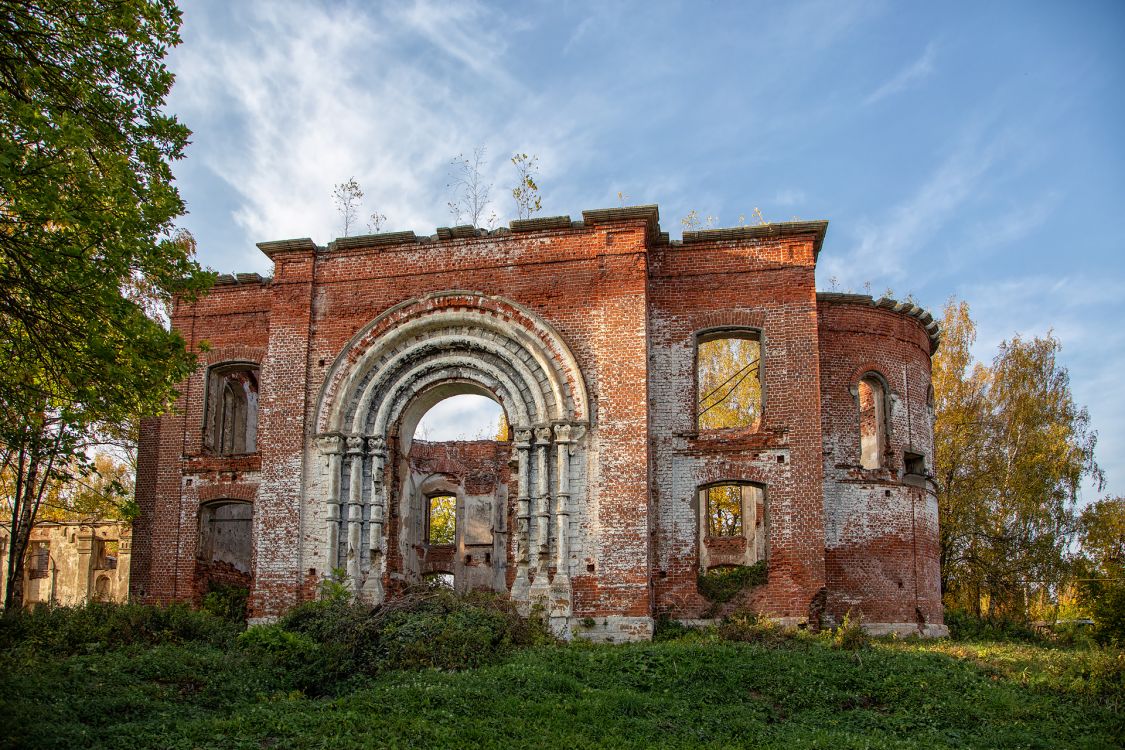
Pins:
<point x="693" y="692"/>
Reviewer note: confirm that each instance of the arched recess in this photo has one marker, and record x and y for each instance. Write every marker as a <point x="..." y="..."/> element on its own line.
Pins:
<point x="406" y="360"/>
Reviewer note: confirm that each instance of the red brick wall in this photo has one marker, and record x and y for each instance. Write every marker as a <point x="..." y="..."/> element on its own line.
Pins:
<point x="172" y="471"/>
<point x="630" y="305"/>
<point x="882" y="535"/>
<point x="768" y="286"/>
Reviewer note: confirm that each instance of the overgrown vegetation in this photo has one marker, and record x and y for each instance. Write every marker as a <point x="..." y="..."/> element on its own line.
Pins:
<point x="226" y="602"/>
<point x="720" y="585"/>
<point x="335" y="674"/>
<point x="322" y="644"/>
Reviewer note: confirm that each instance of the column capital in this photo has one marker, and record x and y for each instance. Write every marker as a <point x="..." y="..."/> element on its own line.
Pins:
<point x="542" y="435"/>
<point x="377" y="446"/>
<point x="355" y="445"/>
<point x="330" y="445"/>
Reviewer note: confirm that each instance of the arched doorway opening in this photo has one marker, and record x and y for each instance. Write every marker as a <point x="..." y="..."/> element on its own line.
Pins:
<point x="453" y="510"/>
<point x="416" y="355"/>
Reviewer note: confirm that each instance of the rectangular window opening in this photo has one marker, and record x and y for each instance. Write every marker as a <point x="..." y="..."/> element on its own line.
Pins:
<point x="728" y="381"/>
<point x="441" y="520"/>
<point x="724" y="511"/>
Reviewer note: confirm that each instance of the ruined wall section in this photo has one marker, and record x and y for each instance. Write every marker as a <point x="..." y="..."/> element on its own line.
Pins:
<point x="478" y="474"/>
<point x="587" y="280"/>
<point x="77" y="571"/>
<point x="881" y="523"/>
<point x="175" y="473"/>
<point x="744" y="279"/>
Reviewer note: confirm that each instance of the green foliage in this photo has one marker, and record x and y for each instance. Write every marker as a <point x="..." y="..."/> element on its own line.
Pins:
<point x="89" y="255"/>
<point x="751" y="627"/>
<point x="966" y="626"/>
<point x="442" y="527"/>
<point x="335" y="586"/>
<point x="226" y="602"/>
<point x="802" y="693"/>
<point x="1011" y="450"/>
<point x="340" y="637"/>
<point x="86" y="233"/>
<point x="850" y="635"/>
<point x="526" y="191"/>
<point x="1101" y="568"/>
<point x="720" y="585"/>
<point x="666" y="629"/>
<point x="99" y="626"/>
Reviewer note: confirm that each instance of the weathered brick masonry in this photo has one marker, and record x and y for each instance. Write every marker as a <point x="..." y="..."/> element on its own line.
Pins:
<point x="587" y="334"/>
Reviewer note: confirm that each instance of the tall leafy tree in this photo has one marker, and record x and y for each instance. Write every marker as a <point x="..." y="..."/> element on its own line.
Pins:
<point x="1012" y="449"/>
<point x="1101" y="567"/>
<point x="88" y="249"/>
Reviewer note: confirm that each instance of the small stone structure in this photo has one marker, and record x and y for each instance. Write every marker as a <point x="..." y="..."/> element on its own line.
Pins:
<point x="73" y="562"/>
<point x="677" y="409"/>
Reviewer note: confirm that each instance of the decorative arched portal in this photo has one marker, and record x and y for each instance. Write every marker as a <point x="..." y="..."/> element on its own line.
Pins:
<point x="407" y="360"/>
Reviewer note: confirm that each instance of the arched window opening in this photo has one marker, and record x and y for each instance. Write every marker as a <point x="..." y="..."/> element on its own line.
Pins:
<point x="231" y="423"/>
<point x="728" y="380"/>
<point x="38" y="559"/>
<point x="225" y="534"/>
<point x="441" y="520"/>
<point x="732" y="524"/>
<point x="872" y="422"/>
<point x="458" y="506"/>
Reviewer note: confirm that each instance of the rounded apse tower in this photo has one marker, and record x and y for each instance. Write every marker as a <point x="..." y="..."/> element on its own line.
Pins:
<point x="880" y="502"/>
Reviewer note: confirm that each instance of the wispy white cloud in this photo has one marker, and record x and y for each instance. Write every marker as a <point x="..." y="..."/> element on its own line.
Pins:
<point x="789" y="197"/>
<point x="916" y="71"/>
<point x="306" y="96"/>
<point x="463" y="417"/>
<point x="883" y="249"/>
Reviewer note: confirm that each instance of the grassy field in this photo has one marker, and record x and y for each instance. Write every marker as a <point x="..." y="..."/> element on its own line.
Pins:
<point x="698" y="691"/>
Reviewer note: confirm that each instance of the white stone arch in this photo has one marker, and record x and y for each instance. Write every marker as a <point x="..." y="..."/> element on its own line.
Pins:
<point x="383" y="380"/>
<point x="455" y="312"/>
<point x="446" y="348"/>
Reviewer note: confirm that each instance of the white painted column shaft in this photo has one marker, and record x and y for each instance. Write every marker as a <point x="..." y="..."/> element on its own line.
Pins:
<point x="355" y="506"/>
<point x="522" y="583"/>
<point x="330" y="446"/>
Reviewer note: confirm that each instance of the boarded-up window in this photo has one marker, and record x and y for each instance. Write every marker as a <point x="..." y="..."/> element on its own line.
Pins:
<point x="441" y="520"/>
<point x="231" y="425"/>
<point x="38" y="559"/>
<point x="728" y="380"/>
<point x="872" y="422"/>
<point x="225" y="534"/>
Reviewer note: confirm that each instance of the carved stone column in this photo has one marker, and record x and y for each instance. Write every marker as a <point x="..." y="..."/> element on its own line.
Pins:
<point x="522" y="585"/>
<point x="331" y="446"/>
<point x="377" y="448"/>
<point x="560" y="586"/>
<point x="540" y="587"/>
<point x="355" y="506"/>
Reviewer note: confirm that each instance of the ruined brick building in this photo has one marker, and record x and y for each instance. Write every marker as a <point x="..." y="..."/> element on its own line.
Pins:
<point x="676" y="410"/>
<point x="72" y="562"/>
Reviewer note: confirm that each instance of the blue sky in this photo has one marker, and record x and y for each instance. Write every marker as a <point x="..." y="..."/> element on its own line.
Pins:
<point x="968" y="149"/>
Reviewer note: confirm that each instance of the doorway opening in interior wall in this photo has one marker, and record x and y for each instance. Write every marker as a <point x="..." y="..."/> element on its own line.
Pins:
<point x="456" y="502"/>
